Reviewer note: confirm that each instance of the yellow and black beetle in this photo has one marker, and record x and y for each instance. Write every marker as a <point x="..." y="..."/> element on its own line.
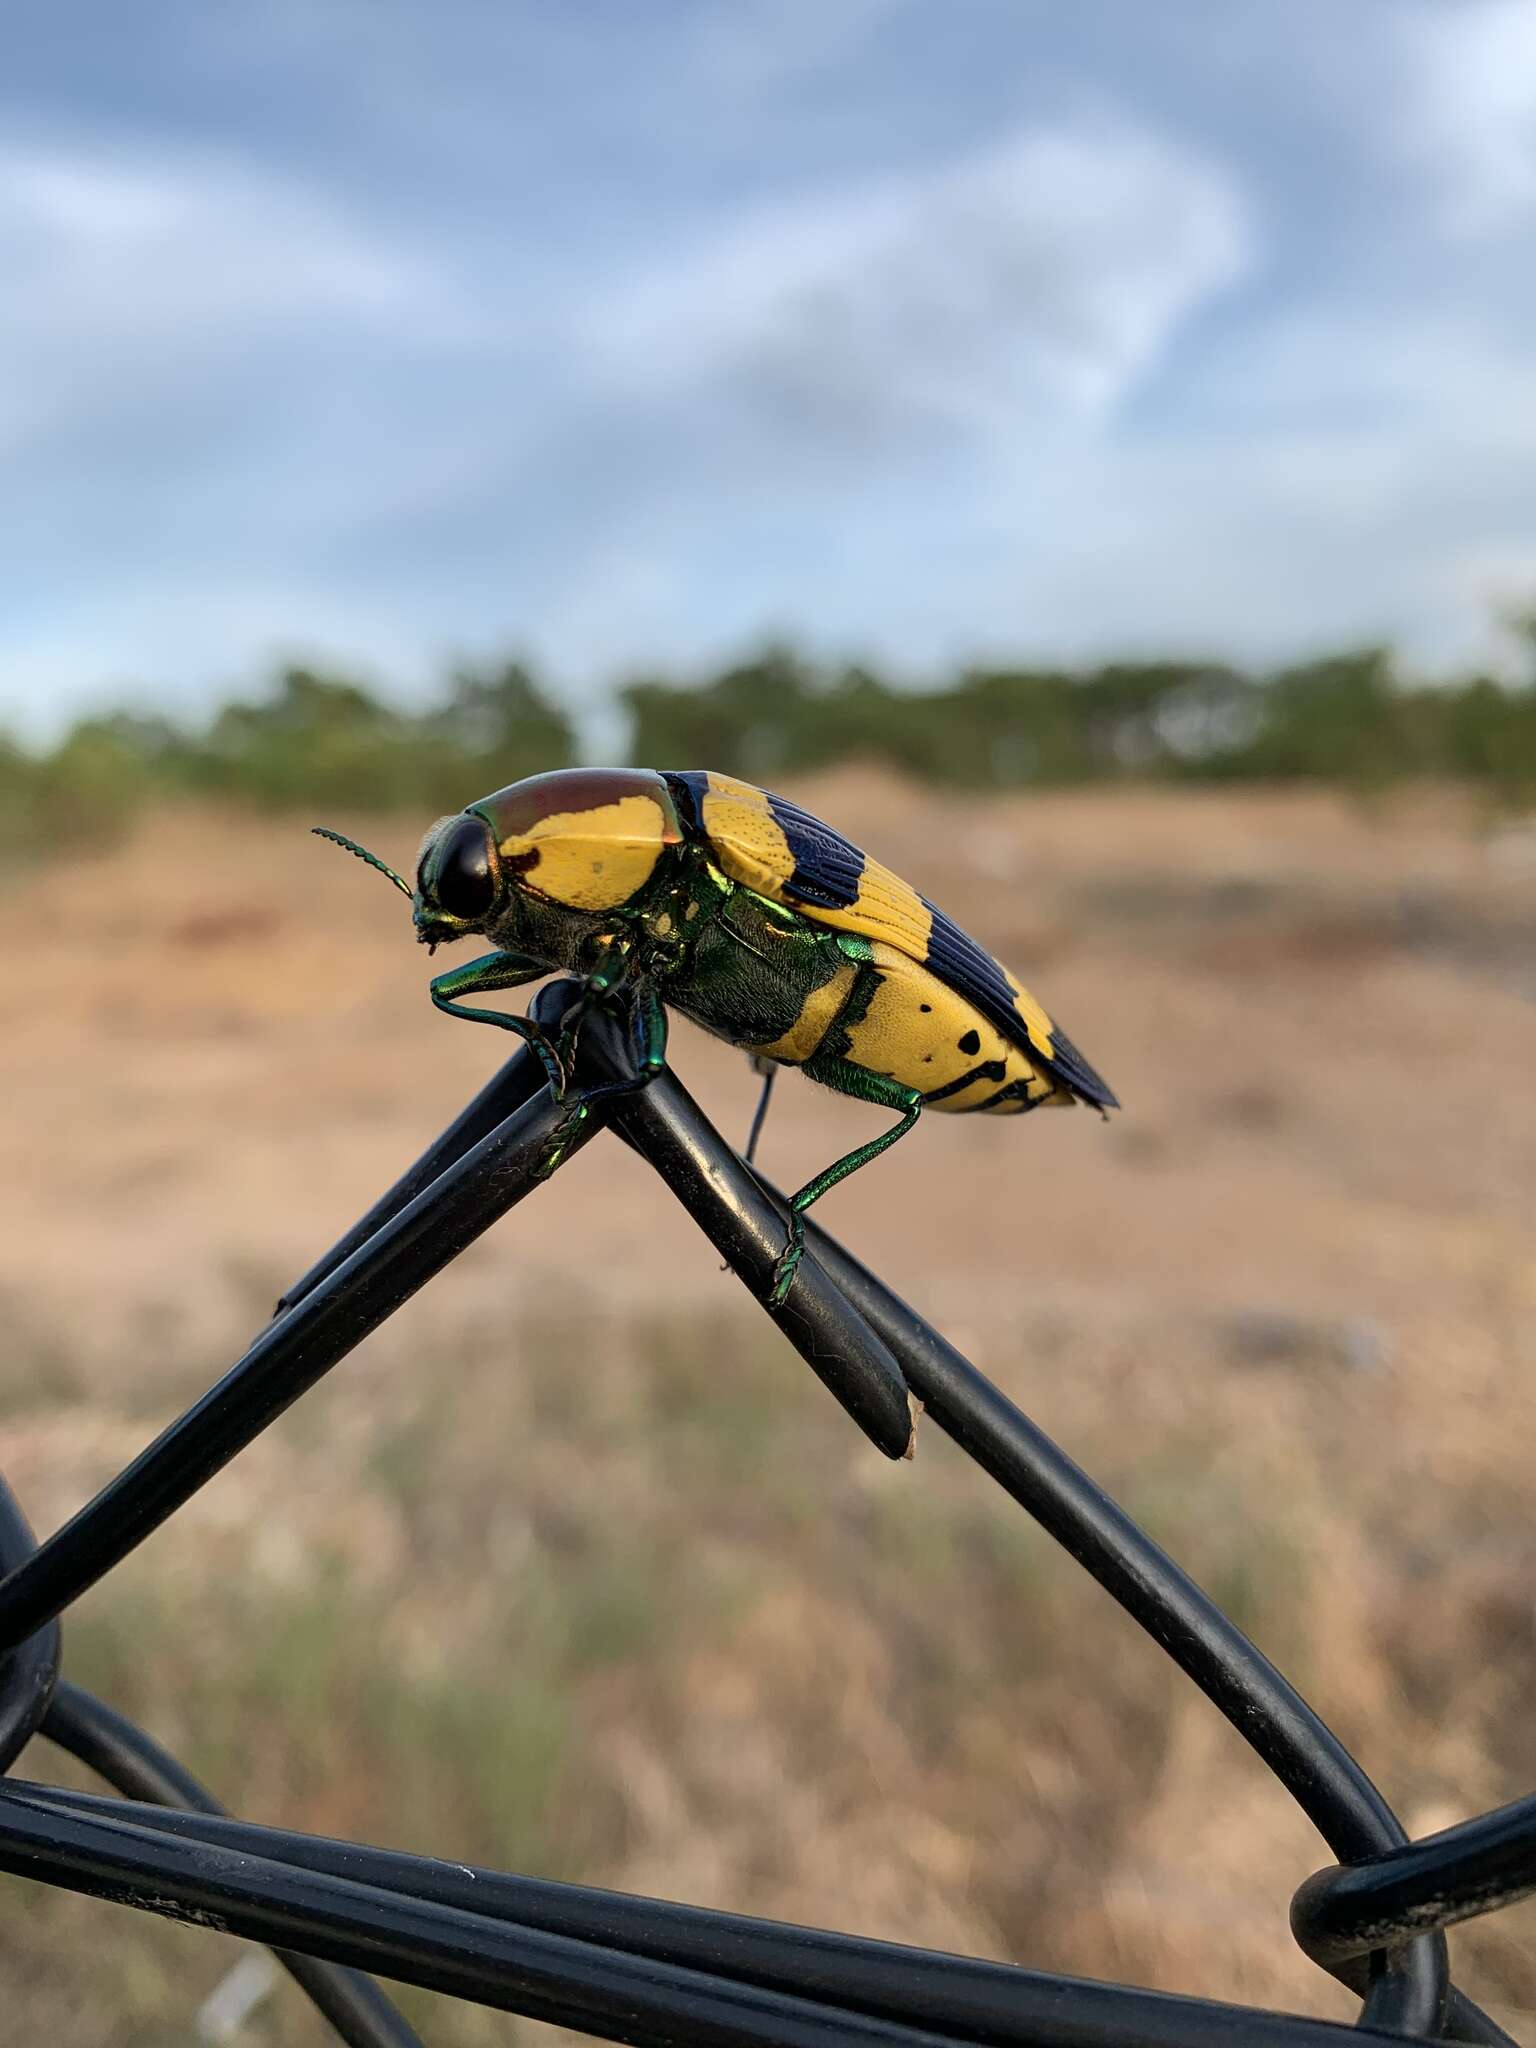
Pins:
<point x="754" y="919"/>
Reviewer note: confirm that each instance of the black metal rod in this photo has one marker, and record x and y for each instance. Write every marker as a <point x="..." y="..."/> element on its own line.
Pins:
<point x="287" y="1359"/>
<point x="1266" y="1709"/>
<point x="517" y="1082"/>
<point x="834" y="1341"/>
<point x="126" y="1757"/>
<point x="30" y="1671"/>
<point x="118" y="1750"/>
<point x="449" y="1927"/>
<point x="670" y="1131"/>
<point x="467" y="1955"/>
<point x="1472" y="1868"/>
<point x="1466" y="2021"/>
<point x="457" y="1187"/>
<point x="992" y="2002"/>
<point x="1407" y="1993"/>
<point x="1041" y="1477"/>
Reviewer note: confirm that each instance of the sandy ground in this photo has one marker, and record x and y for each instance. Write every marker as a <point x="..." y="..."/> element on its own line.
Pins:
<point x="217" y="1048"/>
<point x="1295" y="1277"/>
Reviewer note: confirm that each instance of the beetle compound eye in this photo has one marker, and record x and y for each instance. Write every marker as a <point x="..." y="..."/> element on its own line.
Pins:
<point x="462" y="881"/>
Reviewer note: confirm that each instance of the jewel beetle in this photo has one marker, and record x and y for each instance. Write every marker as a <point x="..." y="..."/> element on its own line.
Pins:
<point x="739" y="909"/>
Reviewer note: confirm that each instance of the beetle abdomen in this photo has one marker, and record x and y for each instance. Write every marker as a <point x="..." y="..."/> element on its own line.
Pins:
<point x="772" y="984"/>
<point x="920" y="1033"/>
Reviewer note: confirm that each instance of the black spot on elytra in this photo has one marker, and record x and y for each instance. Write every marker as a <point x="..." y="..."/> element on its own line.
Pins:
<point x="925" y="1008"/>
<point x="971" y="1043"/>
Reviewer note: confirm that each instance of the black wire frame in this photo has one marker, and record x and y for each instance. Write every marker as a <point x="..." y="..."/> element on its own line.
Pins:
<point x="649" y="1971"/>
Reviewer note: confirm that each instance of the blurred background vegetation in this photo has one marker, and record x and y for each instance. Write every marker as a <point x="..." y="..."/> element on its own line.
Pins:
<point x="570" y="1572"/>
<point x="1351" y="718"/>
<point x="572" y="1567"/>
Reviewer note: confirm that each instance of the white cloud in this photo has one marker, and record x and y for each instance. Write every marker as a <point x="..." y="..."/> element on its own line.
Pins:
<point x="631" y="344"/>
<point x="755" y="45"/>
<point x="1045" y="272"/>
<point x="125" y="273"/>
<point x="1472" y="109"/>
<point x="1335" y="508"/>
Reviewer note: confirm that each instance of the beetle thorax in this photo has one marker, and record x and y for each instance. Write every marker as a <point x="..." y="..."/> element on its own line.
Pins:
<point x="675" y="916"/>
<point x="529" y="923"/>
<point x="661" y="921"/>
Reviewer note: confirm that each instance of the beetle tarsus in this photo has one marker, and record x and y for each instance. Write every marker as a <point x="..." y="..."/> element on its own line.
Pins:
<point x="554" y="1066"/>
<point x="785" y="1264"/>
<point x="567" y="1128"/>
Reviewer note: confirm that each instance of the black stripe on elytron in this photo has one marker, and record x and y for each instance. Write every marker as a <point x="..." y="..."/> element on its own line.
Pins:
<point x="955" y="957"/>
<point x="989" y="1070"/>
<point x="1016" y="1091"/>
<point x="1069" y="1063"/>
<point x="828" y="867"/>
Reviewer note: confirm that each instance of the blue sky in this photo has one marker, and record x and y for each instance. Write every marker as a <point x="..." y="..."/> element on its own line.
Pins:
<point x="626" y="334"/>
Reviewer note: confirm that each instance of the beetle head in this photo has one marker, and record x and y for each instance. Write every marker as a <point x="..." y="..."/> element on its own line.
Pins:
<point x="458" y="879"/>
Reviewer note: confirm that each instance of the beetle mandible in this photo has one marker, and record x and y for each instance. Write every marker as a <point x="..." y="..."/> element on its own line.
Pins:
<point x="753" y="918"/>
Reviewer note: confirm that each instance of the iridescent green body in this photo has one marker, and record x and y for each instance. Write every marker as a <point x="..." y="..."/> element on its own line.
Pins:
<point x="737" y="964"/>
<point x="698" y="892"/>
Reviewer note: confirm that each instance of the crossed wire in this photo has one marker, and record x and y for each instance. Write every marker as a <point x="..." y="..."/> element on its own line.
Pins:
<point x="649" y="1971"/>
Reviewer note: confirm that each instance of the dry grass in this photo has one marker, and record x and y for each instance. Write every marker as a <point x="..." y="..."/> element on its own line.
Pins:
<point x="572" y="1568"/>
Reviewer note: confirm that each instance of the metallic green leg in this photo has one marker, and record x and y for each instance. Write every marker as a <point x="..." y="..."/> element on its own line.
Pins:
<point x="846" y="1079"/>
<point x="649" y="1023"/>
<point x="606" y="973"/>
<point x="769" y="1073"/>
<point x="480" y="977"/>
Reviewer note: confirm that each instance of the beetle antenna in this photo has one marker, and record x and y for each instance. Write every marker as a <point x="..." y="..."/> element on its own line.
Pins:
<point x="351" y="845"/>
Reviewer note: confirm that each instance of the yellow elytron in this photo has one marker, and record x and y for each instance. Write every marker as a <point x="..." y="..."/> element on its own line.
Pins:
<point x="921" y="1027"/>
<point x="756" y="920"/>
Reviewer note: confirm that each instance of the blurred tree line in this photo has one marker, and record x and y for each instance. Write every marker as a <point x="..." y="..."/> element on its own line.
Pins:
<point x="312" y="741"/>
<point x="325" y="741"/>
<point x="1348" y="718"/>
